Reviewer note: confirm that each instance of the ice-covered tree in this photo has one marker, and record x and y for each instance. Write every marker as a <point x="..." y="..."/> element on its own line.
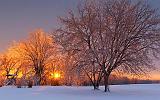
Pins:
<point x="110" y="35"/>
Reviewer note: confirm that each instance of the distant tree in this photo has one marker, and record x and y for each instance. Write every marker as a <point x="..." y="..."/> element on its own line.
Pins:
<point x="10" y="66"/>
<point x="111" y="35"/>
<point x="38" y="50"/>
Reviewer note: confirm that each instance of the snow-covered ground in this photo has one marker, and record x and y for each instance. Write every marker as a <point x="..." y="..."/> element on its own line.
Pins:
<point x="118" y="92"/>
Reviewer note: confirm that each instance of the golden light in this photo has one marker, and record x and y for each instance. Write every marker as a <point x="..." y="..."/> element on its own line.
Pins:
<point x="20" y="75"/>
<point x="12" y="71"/>
<point x="56" y="75"/>
<point x="3" y="73"/>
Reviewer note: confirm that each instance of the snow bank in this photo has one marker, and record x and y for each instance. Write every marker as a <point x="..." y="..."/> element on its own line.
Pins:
<point x="118" y="92"/>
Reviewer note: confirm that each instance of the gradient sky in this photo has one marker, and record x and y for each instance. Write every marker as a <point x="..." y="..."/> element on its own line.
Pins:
<point x="18" y="17"/>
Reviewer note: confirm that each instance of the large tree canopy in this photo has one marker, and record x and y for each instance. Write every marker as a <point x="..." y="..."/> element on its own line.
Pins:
<point x="111" y="35"/>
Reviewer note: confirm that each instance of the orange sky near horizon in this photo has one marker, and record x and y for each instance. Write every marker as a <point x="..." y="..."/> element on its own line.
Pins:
<point x="155" y="76"/>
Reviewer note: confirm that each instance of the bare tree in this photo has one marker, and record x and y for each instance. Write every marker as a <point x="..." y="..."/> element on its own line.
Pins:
<point x="112" y="35"/>
<point x="76" y="37"/>
<point x="10" y="66"/>
<point x="38" y="50"/>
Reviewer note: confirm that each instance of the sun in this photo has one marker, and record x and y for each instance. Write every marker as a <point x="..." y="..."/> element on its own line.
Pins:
<point x="56" y="75"/>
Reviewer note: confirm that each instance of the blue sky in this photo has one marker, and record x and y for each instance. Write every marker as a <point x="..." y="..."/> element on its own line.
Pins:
<point x="18" y="17"/>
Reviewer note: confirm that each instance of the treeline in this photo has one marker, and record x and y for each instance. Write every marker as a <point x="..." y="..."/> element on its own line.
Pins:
<point x="116" y="80"/>
<point x="96" y="40"/>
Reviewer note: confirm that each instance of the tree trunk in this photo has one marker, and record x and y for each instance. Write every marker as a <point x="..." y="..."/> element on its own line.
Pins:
<point x="106" y="81"/>
<point x="37" y="80"/>
<point x="96" y="86"/>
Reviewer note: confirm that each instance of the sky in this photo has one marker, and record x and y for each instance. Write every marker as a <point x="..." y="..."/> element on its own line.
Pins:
<point x="19" y="17"/>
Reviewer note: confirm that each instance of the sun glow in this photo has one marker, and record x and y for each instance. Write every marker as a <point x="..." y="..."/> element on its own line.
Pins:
<point x="56" y="75"/>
